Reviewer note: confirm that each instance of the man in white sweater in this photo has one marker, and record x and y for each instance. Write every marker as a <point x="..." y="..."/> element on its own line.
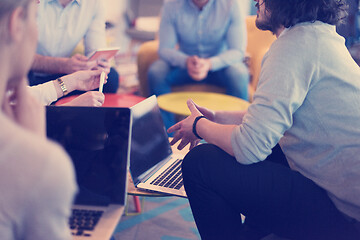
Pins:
<point x="37" y="182"/>
<point x="290" y="163"/>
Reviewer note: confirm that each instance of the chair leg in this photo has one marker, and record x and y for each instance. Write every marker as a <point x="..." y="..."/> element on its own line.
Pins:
<point x="137" y="204"/>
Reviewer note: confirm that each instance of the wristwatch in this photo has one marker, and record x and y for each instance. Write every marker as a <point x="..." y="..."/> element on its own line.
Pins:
<point x="62" y="86"/>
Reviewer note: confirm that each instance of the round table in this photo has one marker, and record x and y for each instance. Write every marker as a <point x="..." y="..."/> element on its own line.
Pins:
<point x="176" y="102"/>
<point x="111" y="100"/>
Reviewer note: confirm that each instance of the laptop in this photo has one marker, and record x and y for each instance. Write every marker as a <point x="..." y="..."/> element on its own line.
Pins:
<point x="153" y="165"/>
<point x="97" y="140"/>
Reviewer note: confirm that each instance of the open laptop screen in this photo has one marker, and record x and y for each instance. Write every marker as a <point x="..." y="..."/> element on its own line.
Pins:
<point x="149" y="140"/>
<point x="97" y="141"/>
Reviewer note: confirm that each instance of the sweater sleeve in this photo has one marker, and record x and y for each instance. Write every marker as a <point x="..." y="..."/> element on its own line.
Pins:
<point x="45" y="93"/>
<point x="285" y="79"/>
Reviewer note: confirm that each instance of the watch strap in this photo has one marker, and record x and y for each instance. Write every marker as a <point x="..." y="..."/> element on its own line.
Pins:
<point x="62" y="86"/>
<point x="194" y="126"/>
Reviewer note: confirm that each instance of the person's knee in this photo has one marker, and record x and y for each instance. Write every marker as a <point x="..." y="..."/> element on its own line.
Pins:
<point x="197" y="157"/>
<point x="237" y="81"/>
<point x="237" y="72"/>
<point x="158" y="71"/>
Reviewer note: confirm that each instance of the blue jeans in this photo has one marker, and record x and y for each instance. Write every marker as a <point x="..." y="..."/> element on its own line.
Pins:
<point x="235" y="79"/>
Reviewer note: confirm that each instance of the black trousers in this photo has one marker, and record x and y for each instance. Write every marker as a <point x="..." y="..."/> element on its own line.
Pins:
<point x="274" y="199"/>
<point x="111" y="86"/>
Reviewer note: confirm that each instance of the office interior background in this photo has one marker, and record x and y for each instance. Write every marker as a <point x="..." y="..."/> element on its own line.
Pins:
<point x="170" y="218"/>
<point x="133" y="22"/>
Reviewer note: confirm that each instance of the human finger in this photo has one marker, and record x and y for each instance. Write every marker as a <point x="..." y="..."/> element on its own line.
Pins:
<point x="191" y="105"/>
<point x="175" y="139"/>
<point x="193" y="144"/>
<point x="183" y="144"/>
<point x="92" y="65"/>
<point x="80" y="57"/>
<point x="209" y="114"/>
<point x="95" y="72"/>
<point x="103" y="63"/>
<point x="100" y="97"/>
<point x="174" y="128"/>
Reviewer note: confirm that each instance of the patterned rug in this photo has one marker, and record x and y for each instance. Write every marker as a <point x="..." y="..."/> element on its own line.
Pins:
<point x="163" y="218"/>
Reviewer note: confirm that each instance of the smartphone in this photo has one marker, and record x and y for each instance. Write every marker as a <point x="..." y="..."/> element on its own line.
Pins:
<point x="105" y="53"/>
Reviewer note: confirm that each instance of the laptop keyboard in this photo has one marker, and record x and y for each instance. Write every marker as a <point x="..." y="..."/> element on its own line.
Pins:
<point x="171" y="177"/>
<point x="83" y="220"/>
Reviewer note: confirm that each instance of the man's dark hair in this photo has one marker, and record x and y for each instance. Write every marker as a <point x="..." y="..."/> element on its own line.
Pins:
<point x="287" y="13"/>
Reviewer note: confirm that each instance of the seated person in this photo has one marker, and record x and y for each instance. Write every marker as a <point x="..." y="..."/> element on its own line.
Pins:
<point x="87" y="80"/>
<point x="211" y="40"/>
<point x="62" y="25"/>
<point x="37" y="180"/>
<point x="290" y="163"/>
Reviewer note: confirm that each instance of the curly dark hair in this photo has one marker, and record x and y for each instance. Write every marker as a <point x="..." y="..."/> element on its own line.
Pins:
<point x="287" y="13"/>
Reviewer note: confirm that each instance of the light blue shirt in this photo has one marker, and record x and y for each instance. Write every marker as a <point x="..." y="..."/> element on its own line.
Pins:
<point x="218" y="32"/>
<point x="308" y="100"/>
<point x="61" y="29"/>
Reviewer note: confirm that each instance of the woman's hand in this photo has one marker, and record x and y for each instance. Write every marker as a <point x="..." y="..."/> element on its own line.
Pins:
<point x="183" y="129"/>
<point x="89" y="99"/>
<point x="24" y="109"/>
<point x="83" y="80"/>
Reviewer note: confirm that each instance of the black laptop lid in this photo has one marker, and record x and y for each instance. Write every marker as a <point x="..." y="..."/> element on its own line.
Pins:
<point x="97" y="141"/>
<point x="149" y="140"/>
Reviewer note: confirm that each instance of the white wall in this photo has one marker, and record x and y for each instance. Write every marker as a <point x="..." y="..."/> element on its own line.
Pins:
<point x="114" y="9"/>
<point x="115" y="14"/>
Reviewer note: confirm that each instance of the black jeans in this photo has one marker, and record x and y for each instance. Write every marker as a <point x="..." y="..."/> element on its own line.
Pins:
<point x="111" y="86"/>
<point x="274" y="199"/>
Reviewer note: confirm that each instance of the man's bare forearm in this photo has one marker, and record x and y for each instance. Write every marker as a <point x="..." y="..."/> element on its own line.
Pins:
<point x="48" y="64"/>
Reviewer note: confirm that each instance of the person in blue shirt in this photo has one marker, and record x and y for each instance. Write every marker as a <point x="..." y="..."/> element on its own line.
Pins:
<point x="201" y="41"/>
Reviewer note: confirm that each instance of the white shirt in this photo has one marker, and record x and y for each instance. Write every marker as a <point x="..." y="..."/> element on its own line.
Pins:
<point x="45" y="93"/>
<point x="37" y="186"/>
<point x="61" y="29"/>
<point x="308" y="100"/>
